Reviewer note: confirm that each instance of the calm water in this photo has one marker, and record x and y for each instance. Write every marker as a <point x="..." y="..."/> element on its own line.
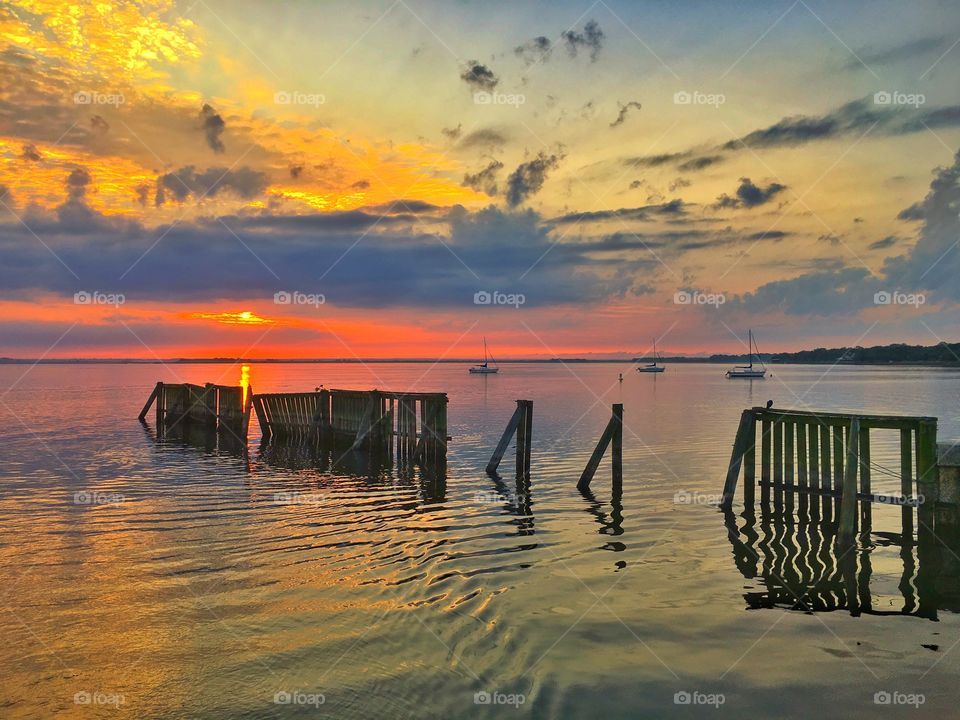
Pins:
<point x="169" y="578"/>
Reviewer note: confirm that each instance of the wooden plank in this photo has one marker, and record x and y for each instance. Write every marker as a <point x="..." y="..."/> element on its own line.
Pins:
<point x="153" y="396"/>
<point x="906" y="479"/>
<point x="892" y="422"/>
<point x="927" y="474"/>
<point x="777" y="461"/>
<point x="508" y="433"/>
<point x="865" y="476"/>
<point x="749" y="465"/>
<point x="802" y="478"/>
<point x="742" y="443"/>
<point x="766" y="438"/>
<point x="848" y="505"/>
<point x="814" y="450"/>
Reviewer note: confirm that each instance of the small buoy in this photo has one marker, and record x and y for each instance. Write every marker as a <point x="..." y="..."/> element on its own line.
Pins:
<point x="621" y="377"/>
<point x="769" y="404"/>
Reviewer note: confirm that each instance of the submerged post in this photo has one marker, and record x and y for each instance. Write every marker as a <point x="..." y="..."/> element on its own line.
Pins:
<point x="613" y="432"/>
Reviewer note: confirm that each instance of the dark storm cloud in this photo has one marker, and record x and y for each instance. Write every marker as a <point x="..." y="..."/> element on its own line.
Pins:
<point x="535" y="50"/>
<point x="213" y="127"/>
<point x="484" y="137"/>
<point x="930" y="267"/>
<point x="485" y="180"/>
<point x="99" y="125"/>
<point x="31" y="153"/>
<point x="687" y="161"/>
<point x="393" y="266"/>
<point x="884" y="243"/>
<point x="624" y="109"/>
<point x="453" y="133"/>
<point x="854" y="117"/>
<point x="529" y="177"/>
<point x="77" y="182"/>
<point x="897" y="53"/>
<point x="479" y="76"/>
<point x="699" y="163"/>
<point x="646" y="212"/>
<point x="749" y="195"/>
<point x="590" y="39"/>
<point x="186" y="181"/>
<point x="143" y="194"/>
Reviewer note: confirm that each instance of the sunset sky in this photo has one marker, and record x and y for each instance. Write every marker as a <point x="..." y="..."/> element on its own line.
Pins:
<point x="323" y="179"/>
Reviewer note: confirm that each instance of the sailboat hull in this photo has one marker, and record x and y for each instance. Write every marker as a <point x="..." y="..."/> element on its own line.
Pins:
<point x="483" y="371"/>
<point x="746" y="373"/>
<point x="651" y="369"/>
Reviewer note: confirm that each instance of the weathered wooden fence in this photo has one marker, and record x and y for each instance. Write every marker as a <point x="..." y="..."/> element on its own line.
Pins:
<point x="216" y="408"/>
<point x="413" y="424"/>
<point x="826" y="454"/>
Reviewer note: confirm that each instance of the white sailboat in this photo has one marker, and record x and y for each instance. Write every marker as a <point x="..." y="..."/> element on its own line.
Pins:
<point x="484" y="368"/>
<point x="653" y="367"/>
<point x="749" y="371"/>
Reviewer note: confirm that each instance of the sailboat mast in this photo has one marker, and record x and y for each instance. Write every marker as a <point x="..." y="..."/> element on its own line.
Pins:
<point x="750" y="348"/>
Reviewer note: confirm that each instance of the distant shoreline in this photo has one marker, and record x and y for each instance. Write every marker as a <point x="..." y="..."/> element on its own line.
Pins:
<point x="725" y="360"/>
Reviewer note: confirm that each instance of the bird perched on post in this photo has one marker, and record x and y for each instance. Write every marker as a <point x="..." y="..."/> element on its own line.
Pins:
<point x="769" y="404"/>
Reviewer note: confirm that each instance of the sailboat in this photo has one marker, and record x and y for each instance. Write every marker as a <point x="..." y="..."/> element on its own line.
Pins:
<point x="749" y="371"/>
<point x="484" y="367"/>
<point x="653" y="367"/>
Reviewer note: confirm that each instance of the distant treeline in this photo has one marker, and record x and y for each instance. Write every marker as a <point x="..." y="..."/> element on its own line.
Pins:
<point x="940" y="354"/>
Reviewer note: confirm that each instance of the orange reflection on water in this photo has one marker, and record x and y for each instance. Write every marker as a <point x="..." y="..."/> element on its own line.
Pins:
<point x="244" y="381"/>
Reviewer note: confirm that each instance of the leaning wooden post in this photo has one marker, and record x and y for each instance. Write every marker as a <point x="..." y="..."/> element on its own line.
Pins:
<point x="153" y="396"/>
<point x="741" y="444"/>
<point x="522" y="439"/>
<point x="848" y="504"/>
<point x="614" y="426"/>
<point x="507" y="435"/>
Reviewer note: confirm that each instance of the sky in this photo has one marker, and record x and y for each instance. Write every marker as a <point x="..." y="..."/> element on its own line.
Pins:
<point x="401" y="179"/>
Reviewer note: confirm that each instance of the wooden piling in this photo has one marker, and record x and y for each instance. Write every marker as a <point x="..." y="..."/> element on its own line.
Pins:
<point x="150" y="400"/>
<point x="512" y="427"/>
